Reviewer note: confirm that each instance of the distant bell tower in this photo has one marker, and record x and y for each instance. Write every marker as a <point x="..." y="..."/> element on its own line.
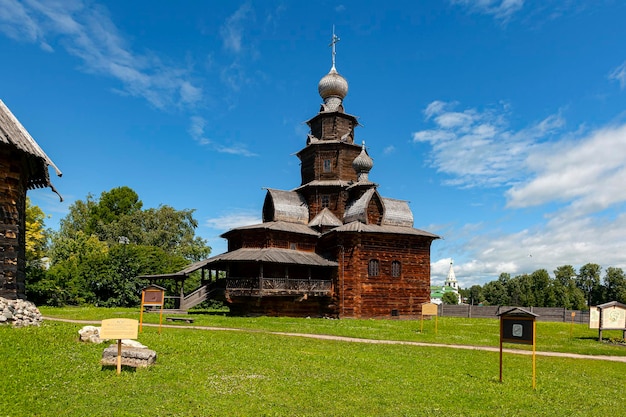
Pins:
<point x="451" y="279"/>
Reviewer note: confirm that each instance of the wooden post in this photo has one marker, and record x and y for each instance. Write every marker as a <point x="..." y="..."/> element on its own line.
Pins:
<point x="534" y="356"/>
<point x="143" y="293"/>
<point x="119" y="356"/>
<point x="500" y="349"/>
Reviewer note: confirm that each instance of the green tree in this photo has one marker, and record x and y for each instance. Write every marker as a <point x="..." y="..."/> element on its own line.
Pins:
<point x="495" y="292"/>
<point x="588" y="281"/>
<point x="475" y="296"/>
<point x="450" y="297"/>
<point x="614" y="285"/>
<point x="36" y="233"/>
<point x="104" y="244"/>
<point x="37" y="239"/>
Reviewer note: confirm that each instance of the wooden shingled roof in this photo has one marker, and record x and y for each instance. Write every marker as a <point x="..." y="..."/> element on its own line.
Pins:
<point x="359" y="227"/>
<point x="276" y="226"/>
<point x="14" y="134"/>
<point x="287" y="206"/>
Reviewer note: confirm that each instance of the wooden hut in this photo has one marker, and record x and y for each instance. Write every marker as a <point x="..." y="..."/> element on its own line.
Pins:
<point x="23" y="166"/>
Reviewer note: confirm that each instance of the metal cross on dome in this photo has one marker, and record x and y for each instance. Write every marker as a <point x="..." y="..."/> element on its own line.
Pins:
<point x="333" y="42"/>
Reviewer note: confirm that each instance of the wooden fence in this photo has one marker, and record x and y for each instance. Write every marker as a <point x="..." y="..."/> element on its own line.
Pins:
<point x="491" y="312"/>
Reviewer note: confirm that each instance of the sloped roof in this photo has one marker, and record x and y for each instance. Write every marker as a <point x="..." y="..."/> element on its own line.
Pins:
<point x="357" y="211"/>
<point x="325" y="218"/>
<point x="13" y="133"/>
<point x="268" y="255"/>
<point x="397" y="213"/>
<point x="279" y="226"/>
<point x="286" y="206"/>
<point x="359" y="227"/>
<point x="324" y="183"/>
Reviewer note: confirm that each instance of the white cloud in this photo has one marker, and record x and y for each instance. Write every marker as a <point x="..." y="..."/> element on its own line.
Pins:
<point x="233" y="29"/>
<point x="235" y="149"/>
<point x="197" y="131"/>
<point x="589" y="173"/>
<point x="500" y="9"/>
<point x="232" y="220"/>
<point x="87" y="32"/>
<point x="577" y="180"/>
<point x="619" y="74"/>
<point x="477" y="148"/>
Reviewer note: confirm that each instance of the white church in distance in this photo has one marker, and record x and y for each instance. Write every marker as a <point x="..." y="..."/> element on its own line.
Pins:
<point x="450" y="285"/>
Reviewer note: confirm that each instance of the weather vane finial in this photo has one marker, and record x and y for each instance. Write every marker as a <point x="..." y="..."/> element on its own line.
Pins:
<point x="333" y="42"/>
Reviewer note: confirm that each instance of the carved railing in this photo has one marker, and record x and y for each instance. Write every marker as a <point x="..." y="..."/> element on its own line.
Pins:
<point x="277" y="286"/>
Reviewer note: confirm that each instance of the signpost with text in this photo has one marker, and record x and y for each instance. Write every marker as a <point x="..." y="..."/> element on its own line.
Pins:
<point x="119" y="329"/>
<point x="429" y="309"/>
<point x="154" y="296"/>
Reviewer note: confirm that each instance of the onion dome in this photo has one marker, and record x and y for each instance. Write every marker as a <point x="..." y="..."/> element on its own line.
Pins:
<point x="363" y="164"/>
<point x="332" y="88"/>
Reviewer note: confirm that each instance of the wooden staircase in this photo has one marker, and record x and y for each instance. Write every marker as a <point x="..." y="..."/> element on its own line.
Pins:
<point x="213" y="290"/>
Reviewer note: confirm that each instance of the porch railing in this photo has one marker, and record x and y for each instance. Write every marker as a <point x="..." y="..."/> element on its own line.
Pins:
<point x="277" y="286"/>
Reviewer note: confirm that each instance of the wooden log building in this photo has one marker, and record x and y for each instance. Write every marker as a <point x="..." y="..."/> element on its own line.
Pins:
<point x="23" y="166"/>
<point x="333" y="246"/>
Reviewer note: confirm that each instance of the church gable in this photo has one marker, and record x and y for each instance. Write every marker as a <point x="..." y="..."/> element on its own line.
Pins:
<point x="287" y="206"/>
<point x="397" y="213"/>
<point x="366" y="209"/>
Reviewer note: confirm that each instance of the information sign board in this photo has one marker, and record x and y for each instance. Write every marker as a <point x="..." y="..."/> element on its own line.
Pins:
<point x="119" y="329"/>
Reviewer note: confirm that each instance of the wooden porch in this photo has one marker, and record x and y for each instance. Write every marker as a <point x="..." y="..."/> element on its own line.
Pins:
<point x="264" y="287"/>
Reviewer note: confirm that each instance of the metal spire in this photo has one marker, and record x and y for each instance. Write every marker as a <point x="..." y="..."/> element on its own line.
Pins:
<point x="333" y="42"/>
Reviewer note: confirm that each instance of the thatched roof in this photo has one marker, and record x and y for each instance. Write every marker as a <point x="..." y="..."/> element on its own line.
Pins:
<point x="13" y="133"/>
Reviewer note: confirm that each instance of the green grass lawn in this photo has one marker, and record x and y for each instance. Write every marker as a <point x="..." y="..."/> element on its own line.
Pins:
<point x="48" y="372"/>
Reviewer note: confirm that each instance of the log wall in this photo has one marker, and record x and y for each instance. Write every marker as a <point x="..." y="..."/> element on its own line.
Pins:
<point x="13" y="185"/>
<point x="362" y="296"/>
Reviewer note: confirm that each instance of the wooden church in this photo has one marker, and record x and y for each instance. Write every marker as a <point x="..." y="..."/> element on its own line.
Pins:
<point x="332" y="246"/>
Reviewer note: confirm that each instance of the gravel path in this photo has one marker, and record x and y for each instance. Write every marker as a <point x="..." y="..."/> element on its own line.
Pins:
<point x="372" y="341"/>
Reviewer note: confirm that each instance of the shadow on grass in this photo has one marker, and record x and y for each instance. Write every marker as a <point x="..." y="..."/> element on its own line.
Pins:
<point x="113" y="368"/>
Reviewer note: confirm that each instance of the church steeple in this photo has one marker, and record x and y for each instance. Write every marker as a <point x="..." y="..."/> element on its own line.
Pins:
<point x="333" y="88"/>
<point x="451" y="279"/>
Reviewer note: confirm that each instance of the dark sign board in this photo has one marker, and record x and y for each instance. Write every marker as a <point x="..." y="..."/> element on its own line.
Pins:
<point x="517" y="329"/>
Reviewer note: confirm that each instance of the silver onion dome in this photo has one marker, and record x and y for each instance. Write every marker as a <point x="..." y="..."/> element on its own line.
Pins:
<point x="363" y="164"/>
<point x="332" y="88"/>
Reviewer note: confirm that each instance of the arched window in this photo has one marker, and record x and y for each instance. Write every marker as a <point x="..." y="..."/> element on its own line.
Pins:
<point x="396" y="269"/>
<point x="373" y="268"/>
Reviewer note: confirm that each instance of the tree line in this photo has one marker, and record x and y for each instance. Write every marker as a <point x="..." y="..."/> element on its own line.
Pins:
<point x="101" y="246"/>
<point x="568" y="288"/>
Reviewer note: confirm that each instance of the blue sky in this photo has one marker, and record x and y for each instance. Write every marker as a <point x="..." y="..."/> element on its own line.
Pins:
<point x="502" y="121"/>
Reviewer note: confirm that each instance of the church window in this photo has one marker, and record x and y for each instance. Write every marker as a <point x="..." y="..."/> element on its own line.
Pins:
<point x="327" y="165"/>
<point x="325" y="201"/>
<point x="373" y="268"/>
<point x="396" y="269"/>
